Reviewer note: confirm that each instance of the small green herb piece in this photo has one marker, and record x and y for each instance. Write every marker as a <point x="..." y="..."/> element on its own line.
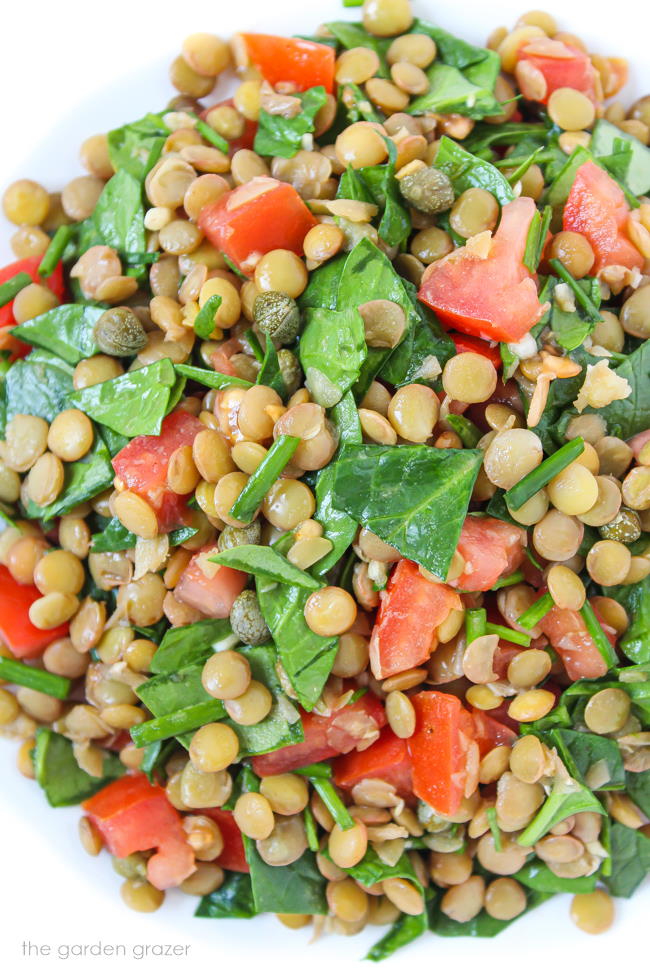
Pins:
<point x="254" y="343"/>
<point x="320" y="770"/>
<point x="536" y="612"/>
<point x="505" y="633"/>
<point x="524" y="166"/>
<point x="536" y="238"/>
<point x="261" y="560"/>
<point x="204" y="321"/>
<point x="581" y="297"/>
<point x="494" y="828"/>
<point x="310" y="830"/>
<point x="475" y="624"/>
<point x="178" y="723"/>
<point x="10" y="288"/>
<point x="538" y="478"/>
<point x="55" y="249"/>
<point x="332" y="801"/>
<point x="211" y="136"/>
<point x="16" y="672"/>
<point x="213" y="380"/>
<point x="597" y="634"/>
<point x="277" y="458"/>
<point x="468" y="432"/>
<point x="511" y="580"/>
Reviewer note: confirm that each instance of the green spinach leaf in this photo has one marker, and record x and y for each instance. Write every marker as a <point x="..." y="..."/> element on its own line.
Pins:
<point x="280" y="136"/>
<point x="332" y="350"/>
<point x="233" y="899"/>
<point x="296" y="889"/>
<point x="537" y="876"/>
<point x="635" y="642"/>
<point x="638" y="788"/>
<point x="137" y="146"/>
<point x="132" y="404"/>
<point x="581" y="751"/>
<point x="115" y="537"/>
<point x="566" y="799"/>
<point x="406" y="929"/>
<point x="57" y="772"/>
<point x="83" y="479"/>
<point x="465" y="171"/>
<point x="39" y="385"/>
<point x="183" y="645"/>
<point x="66" y="331"/>
<point x="604" y="140"/>
<point x="630" y="860"/>
<point x="323" y="286"/>
<point x="260" y="560"/>
<point x="119" y="214"/>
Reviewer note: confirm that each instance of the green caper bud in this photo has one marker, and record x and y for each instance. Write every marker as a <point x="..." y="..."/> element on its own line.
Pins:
<point x="625" y="527"/>
<point x="132" y="867"/>
<point x="231" y="537"/>
<point x="290" y="369"/>
<point x="247" y="621"/>
<point x="427" y="190"/>
<point x="277" y="315"/>
<point x="119" y="332"/>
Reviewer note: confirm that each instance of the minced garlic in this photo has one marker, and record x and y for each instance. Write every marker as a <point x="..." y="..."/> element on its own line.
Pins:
<point x="601" y="387"/>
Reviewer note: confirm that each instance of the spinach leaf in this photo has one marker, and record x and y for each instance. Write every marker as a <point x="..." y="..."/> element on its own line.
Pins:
<point x="482" y="926"/>
<point x="183" y="645"/>
<point x="211" y="379"/>
<point x="332" y="350"/>
<point x="270" y="373"/>
<point x="155" y="758"/>
<point x="459" y="53"/>
<point x="119" y="214"/>
<point x="580" y="751"/>
<point x="638" y="789"/>
<point x="322" y="290"/>
<point x="39" y="385"/>
<point x="136" y="147"/>
<point x="465" y="171"/>
<point x="83" y="479"/>
<point x="557" y="193"/>
<point x="566" y="799"/>
<point x="260" y="560"/>
<point x="132" y="404"/>
<point x="571" y="328"/>
<point x="414" y="497"/>
<point x="561" y="395"/>
<point x="354" y="35"/>
<point x="372" y="870"/>
<point x="57" y="772"/>
<point x="406" y="929"/>
<point x="423" y="342"/>
<point x="165" y="694"/>
<point x="296" y="889"/>
<point x="338" y="526"/>
<point x="635" y="642"/>
<point x="630" y="860"/>
<point x="204" y="322"/>
<point x="604" y="140"/>
<point x="233" y="899"/>
<point x="66" y="331"/>
<point x="280" y="136"/>
<point x="377" y="184"/>
<point x="537" y="876"/>
<point x="116" y="538"/>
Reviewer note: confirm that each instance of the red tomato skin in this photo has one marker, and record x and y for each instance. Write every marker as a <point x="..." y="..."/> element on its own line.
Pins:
<point x="323" y="737"/>
<point x="411" y="609"/>
<point x="132" y="815"/>
<point x="303" y="64"/>
<point x="490" y="733"/>
<point x="246" y="228"/>
<point x="387" y="759"/>
<point x="467" y="343"/>
<point x="27" y="265"/>
<point x="563" y="66"/>
<point x="596" y="207"/>
<point x="437" y="751"/>
<point x="212" y="595"/>
<point x="491" y="549"/>
<point x="246" y="140"/>
<point x="16" y="629"/>
<point x="142" y="466"/>
<point x="569" y="636"/>
<point x="493" y="298"/>
<point x="233" y="856"/>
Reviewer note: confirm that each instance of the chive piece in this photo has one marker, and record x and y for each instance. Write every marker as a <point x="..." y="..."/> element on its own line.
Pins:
<point x="494" y="828"/>
<point x="510" y="580"/>
<point x="255" y="344"/>
<point x="266" y="474"/>
<point x="211" y="136"/>
<point x="528" y="552"/>
<point x="333" y="801"/>
<point x="468" y="432"/>
<point x="353" y="3"/>
<point x="538" y="478"/>
<point x="15" y="672"/>
<point x="213" y="380"/>
<point x="597" y="634"/>
<point x="524" y="166"/>
<point x="177" y="723"/>
<point x="55" y="249"/>
<point x="318" y="770"/>
<point x="581" y="297"/>
<point x="475" y="624"/>
<point x="536" y="238"/>
<point x="310" y="829"/>
<point x="204" y="324"/>
<point x="10" y="288"/>
<point x="505" y="633"/>
<point x="360" y="691"/>
<point x="536" y="612"/>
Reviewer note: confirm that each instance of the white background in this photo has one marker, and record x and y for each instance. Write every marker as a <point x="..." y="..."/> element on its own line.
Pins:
<point x="70" y="68"/>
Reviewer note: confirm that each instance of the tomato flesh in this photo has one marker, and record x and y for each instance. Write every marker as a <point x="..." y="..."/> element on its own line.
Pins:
<point x="569" y="636"/>
<point x="466" y="343"/>
<point x="493" y="298"/>
<point x="16" y="629"/>
<point x="210" y="588"/>
<point x="27" y="265"/>
<point x="596" y="208"/>
<point x="490" y="733"/>
<point x="232" y="856"/>
<point x="387" y="759"/>
<point x="443" y="733"/>
<point x="291" y="60"/>
<point x="491" y="549"/>
<point x="562" y="65"/>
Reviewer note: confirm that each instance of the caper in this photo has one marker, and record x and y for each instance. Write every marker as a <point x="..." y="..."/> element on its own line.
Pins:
<point x="247" y="621"/>
<point x="246" y="535"/>
<point x="132" y="866"/>
<point x="277" y="315"/>
<point x="119" y="332"/>
<point x="428" y="190"/>
<point x="290" y="369"/>
<point x="625" y="527"/>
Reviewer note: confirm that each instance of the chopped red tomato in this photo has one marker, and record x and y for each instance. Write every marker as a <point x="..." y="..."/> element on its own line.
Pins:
<point x="490" y="733"/>
<point x="466" y="343"/>
<point x="232" y="856"/>
<point x="387" y="759"/>
<point x="27" y="265"/>
<point x="291" y="61"/>
<point x="411" y="608"/>
<point x="132" y="815"/>
<point x="261" y="216"/>
<point x="439" y="749"/>
<point x="493" y="297"/>
<point x="327" y="736"/>
<point x="570" y="637"/>
<point x="210" y="588"/>
<point x="246" y="139"/>
<point x="16" y="629"/>
<point x="491" y="549"/>
<point x="142" y="467"/>
<point x="562" y="65"/>
<point x="597" y="208"/>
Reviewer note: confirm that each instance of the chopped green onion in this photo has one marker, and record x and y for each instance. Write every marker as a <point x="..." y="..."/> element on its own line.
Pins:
<point x="333" y="802"/>
<point x="360" y="691"/>
<point x="468" y="432"/>
<point x="524" y="166"/>
<point x="15" y="672"/>
<point x="581" y="297"/>
<point x="266" y="474"/>
<point x="494" y="828"/>
<point x="177" y="723"/>
<point x="536" y="612"/>
<point x="475" y="624"/>
<point x="211" y="136"/>
<point x="505" y="633"/>
<point x="538" y="478"/>
<point x="310" y="830"/>
<point x="213" y="380"/>
<point x="597" y="634"/>
<point x="320" y="770"/>
<point x="536" y="238"/>
<point x="510" y="580"/>
<point x="353" y="3"/>
<point x="528" y="552"/>
<point x="255" y="344"/>
<point x="10" y="288"/>
<point x="55" y="249"/>
<point x="204" y="323"/>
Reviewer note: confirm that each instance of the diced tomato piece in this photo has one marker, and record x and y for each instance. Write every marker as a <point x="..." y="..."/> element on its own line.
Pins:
<point x="596" y="207"/>
<point x="27" y="265"/>
<point x="210" y="588"/>
<point x="142" y="466"/>
<point x="291" y="61"/>
<point x="251" y="220"/>
<point x="439" y="748"/>
<point x="233" y="856"/>
<point x="246" y="139"/>
<point x="562" y="65"/>
<point x="466" y="343"/>
<point x="570" y="637"/>
<point x="221" y="363"/>
<point x="410" y="611"/>
<point x="387" y="759"/>
<point x="132" y="815"/>
<point x="491" y="549"/>
<point x="495" y="297"/>
<point x="638" y="442"/>
<point x="16" y="629"/>
<point x="490" y="733"/>
<point x="326" y="736"/>
<point x="505" y="652"/>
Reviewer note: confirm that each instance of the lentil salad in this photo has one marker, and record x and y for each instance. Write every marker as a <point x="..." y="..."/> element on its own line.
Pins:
<point x="406" y="422"/>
